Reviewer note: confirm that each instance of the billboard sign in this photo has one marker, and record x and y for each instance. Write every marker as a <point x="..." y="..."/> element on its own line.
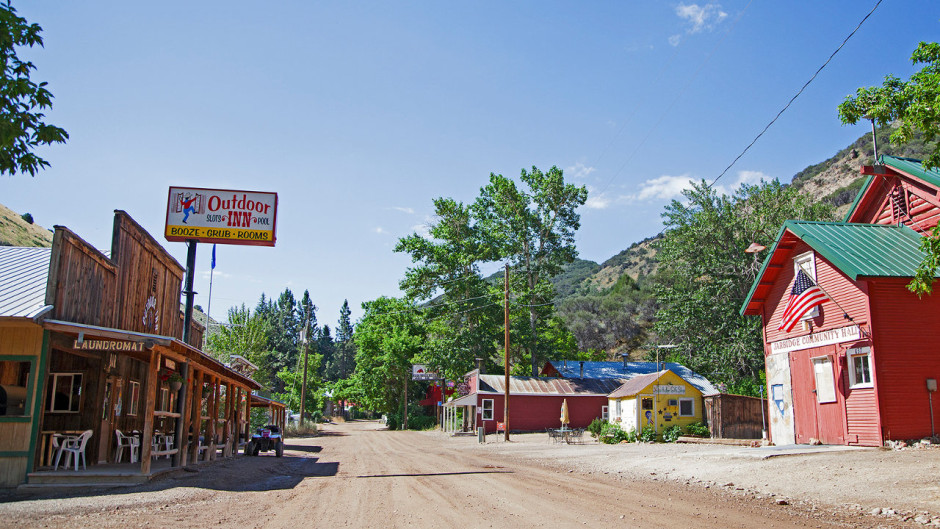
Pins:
<point x="221" y="216"/>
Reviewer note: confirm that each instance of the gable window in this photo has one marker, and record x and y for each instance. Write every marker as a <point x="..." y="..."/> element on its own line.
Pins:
<point x="807" y="263"/>
<point x="859" y="360"/>
<point x="686" y="407"/>
<point x="487" y="409"/>
<point x="65" y="393"/>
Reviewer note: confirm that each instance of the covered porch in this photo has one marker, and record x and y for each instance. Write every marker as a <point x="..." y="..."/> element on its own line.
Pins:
<point x="124" y="406"/>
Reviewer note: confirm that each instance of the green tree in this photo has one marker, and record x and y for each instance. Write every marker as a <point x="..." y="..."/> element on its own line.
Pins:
<point x="247" y="335"/>
<point x="388" y="338"/>
<point x="915" y="103"/>
<point x="708" y="275"/>
<point x="464" y="320"/>
<point x="345" y="348"/>
<point x="915" y="106"/>
<point x="534" y="229"/>
<point x="22" y="128"/>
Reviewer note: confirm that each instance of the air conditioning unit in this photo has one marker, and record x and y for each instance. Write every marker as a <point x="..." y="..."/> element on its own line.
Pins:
<point x="673" y="402"/>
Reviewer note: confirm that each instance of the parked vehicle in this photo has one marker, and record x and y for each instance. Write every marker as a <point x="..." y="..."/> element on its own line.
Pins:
<point x="266" y="439"/>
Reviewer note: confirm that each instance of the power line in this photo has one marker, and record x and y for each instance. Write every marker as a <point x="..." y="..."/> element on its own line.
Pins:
<point x="792" y="99"/>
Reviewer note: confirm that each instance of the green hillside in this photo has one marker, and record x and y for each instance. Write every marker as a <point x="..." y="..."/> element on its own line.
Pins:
<point x="16" y="231"/>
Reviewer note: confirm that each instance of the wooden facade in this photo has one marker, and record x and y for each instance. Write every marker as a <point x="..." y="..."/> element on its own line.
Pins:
<point x="736" y="416"/>
<point x="858" y="370"/>
<point x="109" y="357"/>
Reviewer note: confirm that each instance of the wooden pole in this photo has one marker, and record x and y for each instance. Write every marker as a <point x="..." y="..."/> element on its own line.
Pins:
<point x="181" y="439"/>
<point x="150" y="402"/>
<point x="303" y="386"/>
<point x="506" y="353"/>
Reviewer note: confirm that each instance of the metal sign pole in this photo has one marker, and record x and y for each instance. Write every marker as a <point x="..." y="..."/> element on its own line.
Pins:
<point x="190" y="273"/>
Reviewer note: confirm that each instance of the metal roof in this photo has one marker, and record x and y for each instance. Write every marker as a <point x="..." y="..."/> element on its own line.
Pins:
<point x="547" y="385"/>
<point x="23" y="276"/>
<point x="636" y="385"/>
<point x="857" y="250"/>
<point x="626" y="371"/>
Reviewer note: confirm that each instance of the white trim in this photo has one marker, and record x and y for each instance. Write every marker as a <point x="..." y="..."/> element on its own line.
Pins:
<point x="484" y="408"/>
<point x="850" y="356"/>
<point x="605" y="413"/>
<point x="807" y="262"/>
<point x="53" y="386"/>
<point x="692" y="401"/>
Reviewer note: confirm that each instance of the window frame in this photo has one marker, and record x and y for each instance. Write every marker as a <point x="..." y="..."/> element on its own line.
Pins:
<point x="809" y="260"/>
<point x="31" y="380"/>
<point x="850" y="356"/>
<point x="133" y="387"/>
<point x="488" y="411"/>
<point x="76" y="399"/>
<point x="605" y="412"/>
<point x="691" y="402"/>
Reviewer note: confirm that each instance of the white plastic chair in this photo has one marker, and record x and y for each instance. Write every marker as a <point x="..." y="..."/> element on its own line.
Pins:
<point x="57" y="440"/>
<point x="75" y="448"/>
<point x="126" y="441"/>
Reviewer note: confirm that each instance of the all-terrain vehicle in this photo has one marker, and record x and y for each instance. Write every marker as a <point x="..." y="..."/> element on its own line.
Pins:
<point x="265" y="439"/>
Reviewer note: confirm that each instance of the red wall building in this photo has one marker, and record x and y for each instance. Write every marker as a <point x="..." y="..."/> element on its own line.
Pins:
<point x="856" y="369"/>
<point x="534" y="402"/>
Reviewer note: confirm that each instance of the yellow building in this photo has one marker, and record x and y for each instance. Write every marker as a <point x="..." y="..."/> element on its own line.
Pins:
<point x="658" y="399"/>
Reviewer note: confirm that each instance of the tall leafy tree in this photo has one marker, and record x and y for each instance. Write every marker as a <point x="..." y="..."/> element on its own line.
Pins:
<point x="915" y="106"/>
<point x="22" y="128"/>
<point x="388" y="339"/>
<point x="246" y="334"/>
<point x="464" y="317"/>
<point x="534" y="229"/>
<point x="708" y="275"/>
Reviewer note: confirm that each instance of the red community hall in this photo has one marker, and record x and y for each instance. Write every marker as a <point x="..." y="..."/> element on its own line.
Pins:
<point x="854" y="361"/>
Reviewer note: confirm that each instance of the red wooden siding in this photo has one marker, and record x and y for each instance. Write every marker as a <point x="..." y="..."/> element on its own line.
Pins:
<point x="861" y="410"/>
<point x="851" y="296"/>
<point x="812" y="419"/>
<point x="906" y="355"/>
<point x="530" y="413"/>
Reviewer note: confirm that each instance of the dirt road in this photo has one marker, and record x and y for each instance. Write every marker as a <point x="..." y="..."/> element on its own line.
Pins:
<point x="358" y="475"/>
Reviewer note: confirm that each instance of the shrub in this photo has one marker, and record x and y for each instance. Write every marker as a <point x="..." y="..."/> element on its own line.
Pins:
<point x="647" y="435"/>
<point x="28" y="218"/>
<point x="612" y="434"/>
<point x="699" y="430"/>
<point x="672" y="433"/>
<point x="297" y="430"/>
<point x="596" y="426"/>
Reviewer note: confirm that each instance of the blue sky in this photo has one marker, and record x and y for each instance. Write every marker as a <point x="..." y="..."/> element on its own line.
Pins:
<point x="359" y="114"/>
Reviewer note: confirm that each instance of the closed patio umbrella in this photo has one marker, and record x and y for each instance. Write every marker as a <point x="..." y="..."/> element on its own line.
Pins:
<point x="564" y="413"/>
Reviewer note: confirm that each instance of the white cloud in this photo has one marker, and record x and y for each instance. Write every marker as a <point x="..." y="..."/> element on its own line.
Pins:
<point x="744" y="177"/>
<point x="409" y="211"/>
<point x="700" y="18"/>
<point x="674" y="40"/>
<point x="423" y="230"/>
<point x="579" y="171"/>
<point x="663" y="188"/>
<point x="378" y="229"/>
<point x="597" y="202"/>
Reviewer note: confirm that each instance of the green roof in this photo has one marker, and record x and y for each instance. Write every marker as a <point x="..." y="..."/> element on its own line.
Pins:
<point x="863" y="250"/>
<point x="857" y="250"/>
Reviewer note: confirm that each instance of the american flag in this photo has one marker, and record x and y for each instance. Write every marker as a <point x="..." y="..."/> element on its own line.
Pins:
<point x="803" y="297"/>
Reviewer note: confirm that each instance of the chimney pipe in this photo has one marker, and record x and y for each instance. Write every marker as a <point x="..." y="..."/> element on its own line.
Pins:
<point x="479" y="363"/>
<point x="624" y="361"/>
<point x="582" y="369"/>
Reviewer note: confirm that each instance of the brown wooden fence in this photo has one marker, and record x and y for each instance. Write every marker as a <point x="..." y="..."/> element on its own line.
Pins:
<point x="735" y="416"/>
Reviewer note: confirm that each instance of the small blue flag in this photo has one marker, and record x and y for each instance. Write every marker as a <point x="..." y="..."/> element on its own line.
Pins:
<point x="213" y="257"/>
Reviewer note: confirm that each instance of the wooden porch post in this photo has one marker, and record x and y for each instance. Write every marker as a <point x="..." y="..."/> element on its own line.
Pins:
<point x="182" y="422"/>
<point x="150" y="401"/>
<point x="196" y="416"/>
<point x="229" y="418"/>
<point x="213" y="415"/>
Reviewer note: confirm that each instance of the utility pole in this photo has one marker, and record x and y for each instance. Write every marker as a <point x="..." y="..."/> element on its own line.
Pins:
<point x="303" y="386"/>
<point x="506" y="353"/>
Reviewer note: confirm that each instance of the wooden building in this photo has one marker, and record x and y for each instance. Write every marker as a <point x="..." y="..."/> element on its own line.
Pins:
<point x="94" y="343"/>
<point x="657" y="400"/>
<point x="862" y="367"/>
<point x="534" y="403"/>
